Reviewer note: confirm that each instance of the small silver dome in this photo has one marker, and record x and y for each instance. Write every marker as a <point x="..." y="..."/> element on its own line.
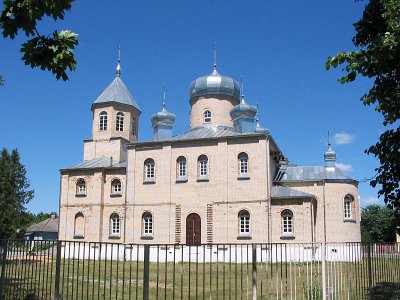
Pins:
<point x="260" y="129"/>
<point x="215" y="85"/>
<point x="243" y="110"/>
<point x="330" y="155"/>
<point x="163" y="117"/>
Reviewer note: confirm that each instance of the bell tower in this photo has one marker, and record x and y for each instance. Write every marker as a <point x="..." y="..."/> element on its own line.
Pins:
<point x="115" y="121"/>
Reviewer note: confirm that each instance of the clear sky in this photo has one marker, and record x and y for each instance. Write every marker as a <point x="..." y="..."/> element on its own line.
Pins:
<point x="279" y="47"/>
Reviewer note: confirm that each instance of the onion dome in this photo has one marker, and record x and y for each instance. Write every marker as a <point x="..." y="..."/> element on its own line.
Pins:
<point x="215" y="85"/>
<point x="163" y="117"/>
<point x="162" y="122"/>
<point x="330" y="156"/>
<point x="243" y="110"/>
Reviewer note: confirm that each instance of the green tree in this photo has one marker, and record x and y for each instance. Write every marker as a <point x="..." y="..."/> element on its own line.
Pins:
<point x="53" y="52"/>
<point x="378" y="224"/>
<point x="14" y="193"/>
<point x="377" y="57"/>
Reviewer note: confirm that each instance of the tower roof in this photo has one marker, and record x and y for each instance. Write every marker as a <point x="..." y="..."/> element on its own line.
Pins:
<point x="116" y="92"/>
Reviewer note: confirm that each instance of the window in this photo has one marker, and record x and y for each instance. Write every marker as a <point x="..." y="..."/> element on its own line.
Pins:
<point x="103" y="121"/>
<point x="243" y="161"/>
<point x="115" y="224"/>
<point x="79" y="226"/>
<point x="133" y="125"/>
<point x="348" y="207"/>
<point x="81" y="187"/>
<point x="181" y="169"/>
<point x="207" y="116"/>
<point x="244" y="223"/>
<point x="149" y="170"/>
<point x="116" y="187"/>
<point x="147" y="224"/>
<point x="120" y="121"/>
<point x="202" y="167"/>
<point x="287" y="223"/>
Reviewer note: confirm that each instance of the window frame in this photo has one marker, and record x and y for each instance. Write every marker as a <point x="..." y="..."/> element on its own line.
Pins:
<point x="244" y="227"/>
<point x="119" y="124"/>
<point x="243" y="166"/>
<point x="181" y="169"/>
<point x="79" y="191"/>
<point x="115" y="183"/>
<point x="348" y="207"/>
<point x="103" y="121"/>
<point x="207" y="116"/>
<point x="203" y="168"/>
<point x="287" y="223"/>
<point x="133" y="125"/>
<point x="115" y="225"/>
<point x="147" y="228"/>
<point x="149" y="171"/>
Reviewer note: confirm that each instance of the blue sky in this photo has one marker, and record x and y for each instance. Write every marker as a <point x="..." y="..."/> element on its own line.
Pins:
<point x="279" y="47"/>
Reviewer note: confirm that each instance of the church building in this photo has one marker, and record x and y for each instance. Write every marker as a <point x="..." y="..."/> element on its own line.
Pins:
<point x="223" y="181"/>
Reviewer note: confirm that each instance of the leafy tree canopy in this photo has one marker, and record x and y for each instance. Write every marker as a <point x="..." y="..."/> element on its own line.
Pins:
<point x="53" y="52"/>
<point x="14" y="193"/>
<point x="378" y="224"/>
<point x="378" y="57"/>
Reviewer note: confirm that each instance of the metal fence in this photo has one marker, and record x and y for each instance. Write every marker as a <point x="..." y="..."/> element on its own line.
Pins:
<point x="83" y="270"/>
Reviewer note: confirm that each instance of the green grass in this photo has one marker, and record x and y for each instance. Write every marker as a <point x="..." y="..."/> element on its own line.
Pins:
<point x="88" y="279"/>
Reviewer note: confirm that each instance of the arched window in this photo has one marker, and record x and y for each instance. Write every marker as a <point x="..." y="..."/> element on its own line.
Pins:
<point x="133" y="125"/>
<point x="147" y="224"/>
<point x="207" y="116"/>
<point x="243" y="161"/>
<point x="81" y="187"/>
<point x="149" y="170"/>
<point x="181" y="170"/>
<point x="103" y="121"/>
<point x="116" y="187"/>
<point x="202" y="162"/>
<point x="287" y="223"/>
<point x="348" y="207"/>
<point x="79" y="225"/>
<point x="120" y="121"/>
<point x="115" y="224"/>
<point x="244" y="223"/>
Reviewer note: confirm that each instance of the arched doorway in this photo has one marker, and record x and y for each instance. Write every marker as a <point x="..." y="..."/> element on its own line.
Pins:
<point x="193" y="229"/>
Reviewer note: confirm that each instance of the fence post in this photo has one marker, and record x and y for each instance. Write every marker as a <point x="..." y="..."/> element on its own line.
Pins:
<point x="254" y="258"/>
<point x="58" y="271"/>
<point x="146" y="269"/>
<point x="3" y="268"/>
<point x="369" y="272"/>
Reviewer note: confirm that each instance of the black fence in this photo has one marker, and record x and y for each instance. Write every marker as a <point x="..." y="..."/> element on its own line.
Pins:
<point x="84" y="270"/>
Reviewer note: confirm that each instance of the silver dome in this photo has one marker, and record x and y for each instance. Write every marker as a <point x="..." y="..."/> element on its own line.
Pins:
<point x="330" y="155"/>
<point x="243" y="110"/>
<point x="163" y="117"/>
<point x="215" y="85"/>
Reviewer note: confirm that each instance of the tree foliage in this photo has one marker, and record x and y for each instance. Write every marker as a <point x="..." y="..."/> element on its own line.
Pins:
<point x="378" y="57"/>
<point x="378" y="224"/>
<point x="53" y="52"/>
<point x="14" y="193"/>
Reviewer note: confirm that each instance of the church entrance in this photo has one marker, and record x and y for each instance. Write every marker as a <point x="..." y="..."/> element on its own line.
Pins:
<point x="193" y="229"/>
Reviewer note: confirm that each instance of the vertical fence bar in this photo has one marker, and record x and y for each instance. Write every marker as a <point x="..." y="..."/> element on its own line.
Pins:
<point x="3" y="268"/>
<point x="254" y="270"/>
<point x="58" y="271"/>
<point x="369" y="271"/>
<point x="146" y="270"/>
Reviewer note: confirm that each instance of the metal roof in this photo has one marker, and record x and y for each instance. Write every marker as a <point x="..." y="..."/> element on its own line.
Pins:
<point x="316" y="173"/>
<point x="208" y="131"/>
<point x="98" y="163"/>
<point x="117" y="92"/>
<point x="285" y="192"/>
<point x="215" y="84"/>
<point x="48" y="225"/>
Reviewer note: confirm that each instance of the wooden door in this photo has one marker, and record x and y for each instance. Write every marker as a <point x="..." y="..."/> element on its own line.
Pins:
<point x="193" y="229"/>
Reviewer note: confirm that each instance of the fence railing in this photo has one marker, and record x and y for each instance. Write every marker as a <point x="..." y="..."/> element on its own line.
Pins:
<point x="86" y="270"/>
